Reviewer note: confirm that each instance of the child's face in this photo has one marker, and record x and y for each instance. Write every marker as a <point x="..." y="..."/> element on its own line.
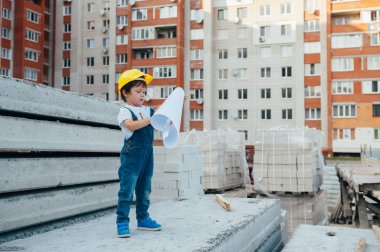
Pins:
<point x="136" y="96"/>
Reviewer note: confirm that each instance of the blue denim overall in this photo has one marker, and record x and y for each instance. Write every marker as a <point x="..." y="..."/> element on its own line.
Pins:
<point x="135" y="172"/>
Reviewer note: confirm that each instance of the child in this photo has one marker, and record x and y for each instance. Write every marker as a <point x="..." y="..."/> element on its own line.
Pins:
<point x="136" y="170"/>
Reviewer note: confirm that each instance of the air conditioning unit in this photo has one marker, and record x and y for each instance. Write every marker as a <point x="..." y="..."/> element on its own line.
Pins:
<point x="147" y="98"/>
<point x="235" y="72"/>
<point x="236" y="20"/>
<point x="105" y="50"/>
<point x="199" y="101"/>
<point x="199" y="16"/>
<point x="102" y="12"/>
<point x="262" y="39"/>
<point x="132" y="2"/>
<point x="104" y="29"/>
<point x="120" y="27"/>
<point x="234" y="116"/>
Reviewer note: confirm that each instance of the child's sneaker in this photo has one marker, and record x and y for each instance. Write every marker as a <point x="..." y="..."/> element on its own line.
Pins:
<point x="123" y="230"/>
<point x="148" y="224"/>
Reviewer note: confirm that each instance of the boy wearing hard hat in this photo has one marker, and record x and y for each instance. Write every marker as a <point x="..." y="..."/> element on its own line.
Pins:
<point x="136" y="170"/>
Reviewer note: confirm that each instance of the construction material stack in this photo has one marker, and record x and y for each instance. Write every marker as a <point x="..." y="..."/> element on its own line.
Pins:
<point x="223" y="158"/>
<point x="288" y="160"/>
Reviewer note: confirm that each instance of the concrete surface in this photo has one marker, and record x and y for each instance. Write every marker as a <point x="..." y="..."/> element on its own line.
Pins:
<point x="315" y="238"/>
<point x="190" y="225"/>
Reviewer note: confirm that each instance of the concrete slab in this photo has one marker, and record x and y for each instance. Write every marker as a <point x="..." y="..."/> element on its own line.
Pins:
<point x="199" y="224"/>
<point x="315" y="238"/>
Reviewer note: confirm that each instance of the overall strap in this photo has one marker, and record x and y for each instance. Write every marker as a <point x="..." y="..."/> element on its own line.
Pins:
<point x="134" y="117"/>
<point x="151" y="112"/>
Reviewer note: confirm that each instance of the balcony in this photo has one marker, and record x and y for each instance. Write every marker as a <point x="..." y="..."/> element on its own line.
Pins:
<point x="165" y="32"/>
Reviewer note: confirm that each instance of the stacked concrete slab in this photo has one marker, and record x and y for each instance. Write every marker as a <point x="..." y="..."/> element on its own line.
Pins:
<point x="288" y="160"/>
<point x="60" y="154"/>
<point x="223" y="157"/>
<point x="177" y="172"/>
<point x="331" y="185"/>
<point x="305" y="210"/>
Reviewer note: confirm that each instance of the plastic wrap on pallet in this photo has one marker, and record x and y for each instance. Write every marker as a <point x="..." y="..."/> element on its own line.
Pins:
<point x="288" y="160"/>
<point x="223" y="157"/>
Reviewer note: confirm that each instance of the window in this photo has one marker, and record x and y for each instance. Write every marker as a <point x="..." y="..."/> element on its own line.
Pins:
<point x="30" y="74"/>
<point x="242" y="33"/>
<point x="311" y="5"/>
<point x="265" y="93"/>
<point x="311" y="69"/>
<point x="312" y="91"/>
<point x="242" y="12"/>
<point x="196" y="94"/>
<point x="286" y="92"/>
<point x="344" y="110"/>
<point x="346" y="41"/>
<point x="285" y="8"/>
<point x="376" y="134"/>
<point x="223" y="53"/>
<point x="342" y="64"/>
<point x="106" y="42"/>
<point x="265" y="31"/>
<point x="90" y="61"/>
<point x="66" y="62"/>
<point x="196" y="74"/>
<point x="121" y="20"/>
<point x="122" y="39"/>
<point x="139" y="14"/>
<point x="344" y="134"/>
<point x="221" y="34"/>
<point x="90" y="43"/>
<point x="312" y="47"/>
<point x="6" y="53"/>
<point x="222" y="74"/>
<point x="243" y="94"/>
<point x="165" y="91"/>
<point x="90" y="79"/>
<point x="266" y="114"/>
<point x="242" y="114"/>
<point x="371" y="87"/>
<point x="65" y="80"/>
<point x="105" y="79"/>
<point x="196" y="54"/>
<point x="122" y="3"/>
<point x="241" y="73"/>
<point x="32" y="16"/>
<point x="223" y="114"/>
<point x="342" y="20"/>
<point x="4" y="71"/>
<point x="66" y="45"/>
<point x="286" y="71"/>
<point x="223" y="94"/>
<point x="121" y="58"/>
<point x="31" y="55"/>
<point x="196" y="34"/>
<point x="245" y="134"/>
<point x="312" y="114"/>
<point x="141" y="33"/>
<point x="242" y="53"/>
<point x="106" y="60"/>
<point x="286" y="51"/>
<point x="311" y="25"/>
<point x="287" y="114"/>
<point x="265" y="52"/>
<point x="265" y="10"/>
<point x="373" y="62"/>
<point x="375" y="16"/>
<point x="342" y="87"/>
<point x="265" y="72"/>
<point x="90" y="25"/>
<point x="376" y="110"/>
<point x="66" y="10"/>
<point x="31" y="35"/>
<point x="67" y="28"/>
<point x="196" y="115"/>
<point x="106" y="23"/>
<point x="168" y="12"/>
<point x="6" y="13"/>
<point x="285" y="30"/>
<point x="167" y="52"/>
<point x="5" y="33"/>
<point x="165" y="72"/>
<point x="222" y="14"/>
<point x="90" y="7"/>
<point x="375" y="39"/>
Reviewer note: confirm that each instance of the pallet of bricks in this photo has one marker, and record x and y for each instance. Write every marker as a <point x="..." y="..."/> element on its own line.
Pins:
<point x="288" y="160"/>
<point x="223" y="158"/>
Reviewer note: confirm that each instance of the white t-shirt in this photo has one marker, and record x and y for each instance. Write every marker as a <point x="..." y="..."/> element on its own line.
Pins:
<point x="142" y="112"/>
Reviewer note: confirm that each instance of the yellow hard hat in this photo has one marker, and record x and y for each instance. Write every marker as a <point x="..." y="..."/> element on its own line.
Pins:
<point x="131" y="75"/>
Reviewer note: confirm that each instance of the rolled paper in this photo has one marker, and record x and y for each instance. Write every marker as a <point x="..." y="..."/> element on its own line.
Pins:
<point x="167" y="118"/>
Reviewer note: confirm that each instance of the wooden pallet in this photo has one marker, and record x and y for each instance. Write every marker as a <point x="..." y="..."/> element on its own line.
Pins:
<point x="220" y="190"/>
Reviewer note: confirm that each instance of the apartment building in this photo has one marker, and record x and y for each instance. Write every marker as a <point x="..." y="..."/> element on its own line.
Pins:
<point x="353" y="62"/>
<point x="27" y="46"/>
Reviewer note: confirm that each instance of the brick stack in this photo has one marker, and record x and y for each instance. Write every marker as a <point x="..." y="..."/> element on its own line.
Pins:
<point x="288" y="160"/>
<point x="177" y="173"/>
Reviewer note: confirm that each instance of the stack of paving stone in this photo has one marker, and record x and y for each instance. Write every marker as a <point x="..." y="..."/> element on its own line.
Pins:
<point x="331" y="185"/>
<point x="223" y="158"/>
<point x="177" y="172"/>
<point x="288" y="160"/>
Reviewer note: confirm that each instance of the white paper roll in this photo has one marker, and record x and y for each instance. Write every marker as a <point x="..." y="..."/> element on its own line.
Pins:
<point x="167" y="118"/>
